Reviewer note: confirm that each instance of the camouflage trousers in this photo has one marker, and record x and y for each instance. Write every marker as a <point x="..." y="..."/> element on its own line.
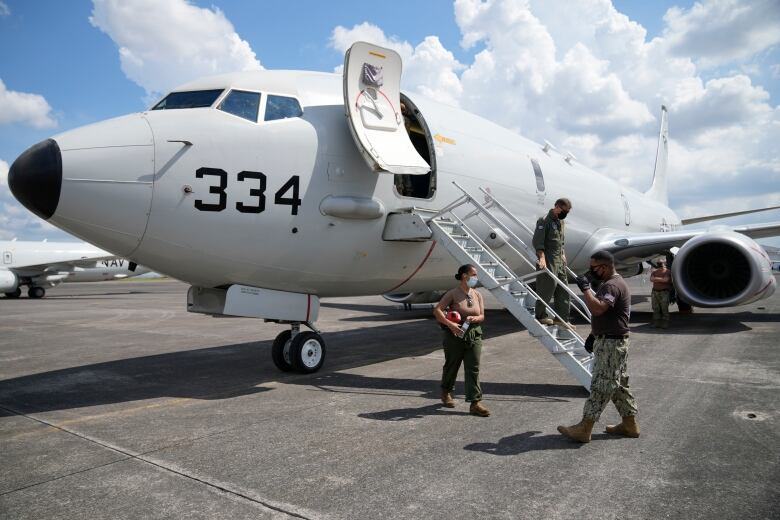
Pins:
<point x="548" y="290"/>
<point x="610" y="379"/>
<point x="660" y="302"/>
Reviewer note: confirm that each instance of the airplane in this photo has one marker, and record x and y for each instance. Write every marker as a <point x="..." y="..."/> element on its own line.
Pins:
<point x="47" y="264"/>
<point x="268" y="190"/>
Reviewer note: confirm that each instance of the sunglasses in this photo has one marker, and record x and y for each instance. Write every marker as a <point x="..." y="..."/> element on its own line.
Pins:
<point x="469" y="301"/>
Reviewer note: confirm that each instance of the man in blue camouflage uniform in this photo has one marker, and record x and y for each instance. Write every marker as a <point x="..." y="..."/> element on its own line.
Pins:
<point x="610" y="308"/>
<point x="549" y="241"/>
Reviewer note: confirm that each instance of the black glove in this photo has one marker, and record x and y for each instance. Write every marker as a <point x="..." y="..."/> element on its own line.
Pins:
<point x="582" y="282"/>
<point x="589" y="341"/>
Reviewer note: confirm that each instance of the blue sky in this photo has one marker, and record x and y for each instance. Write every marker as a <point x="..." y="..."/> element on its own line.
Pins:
<point x="723" y="102"/>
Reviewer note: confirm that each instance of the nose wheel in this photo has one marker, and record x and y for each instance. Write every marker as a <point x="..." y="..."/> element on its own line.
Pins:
<point x="303" y="352"/>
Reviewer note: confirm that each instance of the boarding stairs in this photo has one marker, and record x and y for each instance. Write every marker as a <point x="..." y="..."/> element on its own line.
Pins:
<point x="513" y="291"/>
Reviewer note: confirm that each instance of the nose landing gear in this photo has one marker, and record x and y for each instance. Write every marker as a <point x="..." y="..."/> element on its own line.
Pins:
<point x="303" y="352"/>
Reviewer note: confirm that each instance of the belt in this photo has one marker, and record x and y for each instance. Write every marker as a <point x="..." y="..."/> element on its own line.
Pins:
<point x="612" y="336"/>
<point x="661" y="290"/>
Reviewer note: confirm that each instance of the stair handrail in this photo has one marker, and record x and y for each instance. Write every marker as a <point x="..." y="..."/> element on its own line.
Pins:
<point x="517" y="221"/>
<point x="582" y="306"/>
<point x="533" y="293"/>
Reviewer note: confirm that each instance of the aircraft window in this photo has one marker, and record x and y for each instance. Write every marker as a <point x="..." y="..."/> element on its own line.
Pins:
<point x="241" y="104"/>
<point x="194" y="99"/>
<point x="281" y="107"/>
<point x="538" y="174"/>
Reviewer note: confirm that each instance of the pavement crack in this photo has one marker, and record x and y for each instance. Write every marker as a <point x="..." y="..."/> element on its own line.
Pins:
<point x="128" y="455"/>
<point x="53" y="479"/>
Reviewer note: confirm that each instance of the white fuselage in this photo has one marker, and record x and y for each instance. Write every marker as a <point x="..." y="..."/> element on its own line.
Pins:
<point x="143" y="168"/>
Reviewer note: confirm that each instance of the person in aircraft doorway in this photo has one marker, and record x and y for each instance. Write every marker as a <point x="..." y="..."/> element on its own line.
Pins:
<point x="461" y="312"/>
<point x="548" y="241"/>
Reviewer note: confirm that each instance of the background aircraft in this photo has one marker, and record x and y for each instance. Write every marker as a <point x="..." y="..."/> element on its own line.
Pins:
<point x="46" y="264"/>
<point x="267" y="190"/>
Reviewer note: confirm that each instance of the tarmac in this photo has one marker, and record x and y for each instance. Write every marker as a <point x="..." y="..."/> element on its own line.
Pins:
<point x="117" y="403"/>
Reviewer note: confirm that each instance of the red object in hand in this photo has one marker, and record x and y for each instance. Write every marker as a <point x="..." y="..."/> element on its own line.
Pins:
<point x="454" y="317"/>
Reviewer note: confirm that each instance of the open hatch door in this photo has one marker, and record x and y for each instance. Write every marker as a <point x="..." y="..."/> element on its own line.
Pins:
<point x="372" y="98"/>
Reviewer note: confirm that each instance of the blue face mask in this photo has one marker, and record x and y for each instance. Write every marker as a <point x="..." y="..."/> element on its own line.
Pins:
<point x="472" y="282"/>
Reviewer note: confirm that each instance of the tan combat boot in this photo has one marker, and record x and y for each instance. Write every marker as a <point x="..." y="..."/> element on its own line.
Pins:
<point x="447" y="400"/>
<point x="580" y="432"/>
<point x="479" y="410"/>
<point x="565" y="324"/>
<point x="628" y="427"/>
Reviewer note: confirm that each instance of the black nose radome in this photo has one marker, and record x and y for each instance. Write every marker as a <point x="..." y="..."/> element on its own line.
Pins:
<point x="35" y="178"/>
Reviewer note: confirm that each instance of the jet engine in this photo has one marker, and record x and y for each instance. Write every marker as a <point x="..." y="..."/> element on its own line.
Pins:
<point x="418" y="297"/>
<point x="722" y="269"/>
<point x="8" y="281"/>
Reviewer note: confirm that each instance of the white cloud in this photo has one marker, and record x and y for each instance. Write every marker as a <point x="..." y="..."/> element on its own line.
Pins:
<point x="722" y="103"/>
<point x="164" y="44"/>
<point x="21" y="107"/>
<point x="4" y="9"/>
<point x="715" y="32"/>
<point x="3" y="173"/>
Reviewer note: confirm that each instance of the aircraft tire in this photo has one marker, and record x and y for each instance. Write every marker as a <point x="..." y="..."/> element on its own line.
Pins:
<point x="307" y="352"/>
<point x="36" y="292"/>
<point x="277" y="351"/>
<point x="14" y="294"/>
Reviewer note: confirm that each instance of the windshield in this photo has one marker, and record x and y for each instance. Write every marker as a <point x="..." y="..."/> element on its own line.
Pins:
<point x="242" y="104"/>
<point x="193" y="99"/>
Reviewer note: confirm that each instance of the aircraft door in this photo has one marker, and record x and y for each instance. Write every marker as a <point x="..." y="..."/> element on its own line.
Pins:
<point x="372" y="98"/>
<point x="7" y="257"/>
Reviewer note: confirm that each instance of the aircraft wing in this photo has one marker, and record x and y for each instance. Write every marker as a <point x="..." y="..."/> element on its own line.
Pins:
<point x="769" y="229"/>
<point x="60" y="265"/>
<point x="645" y="245"/>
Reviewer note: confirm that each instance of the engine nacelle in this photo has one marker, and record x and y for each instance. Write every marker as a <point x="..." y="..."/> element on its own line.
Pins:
<point x="722" y="269"/>
<point x="8" y="281"/>
<point x="418" y="297"/>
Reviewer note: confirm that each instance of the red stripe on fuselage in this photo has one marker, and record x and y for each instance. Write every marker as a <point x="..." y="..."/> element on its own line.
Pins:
<point x="416" y="270"/>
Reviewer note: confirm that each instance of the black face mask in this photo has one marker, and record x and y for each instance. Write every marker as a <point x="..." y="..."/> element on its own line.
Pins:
<point x="592" y="276"/>
<point x="562" y="214"/>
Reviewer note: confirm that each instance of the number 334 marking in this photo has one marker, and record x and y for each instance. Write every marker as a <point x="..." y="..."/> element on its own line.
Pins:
<point x="258" y="191"/>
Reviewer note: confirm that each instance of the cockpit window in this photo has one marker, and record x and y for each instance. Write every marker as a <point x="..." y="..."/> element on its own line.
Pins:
<point x="281" y="107"/>
<point x="242" y="104"/>
<point x="193" y="99"/>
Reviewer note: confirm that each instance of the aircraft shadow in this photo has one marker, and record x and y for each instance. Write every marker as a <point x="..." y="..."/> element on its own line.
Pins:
<point x="226" y="371"/>
<point x="701" y="322"/>
<point x="339" y="382"/>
